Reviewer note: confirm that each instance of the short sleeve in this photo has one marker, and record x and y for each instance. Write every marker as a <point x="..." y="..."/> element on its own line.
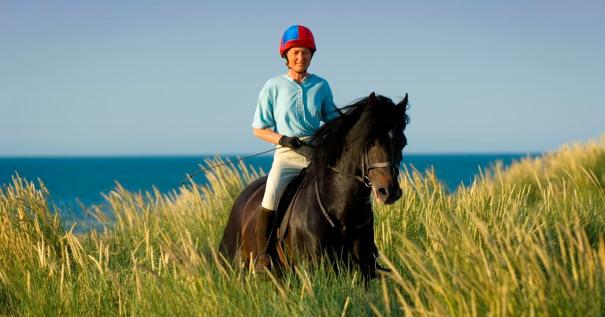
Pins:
<point x="328" y="108"/>
<point x="263" y="116"/>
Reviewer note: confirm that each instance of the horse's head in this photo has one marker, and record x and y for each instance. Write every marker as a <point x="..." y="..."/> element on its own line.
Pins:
<point x="382" y="154"/>
<point x="366" y="140"/>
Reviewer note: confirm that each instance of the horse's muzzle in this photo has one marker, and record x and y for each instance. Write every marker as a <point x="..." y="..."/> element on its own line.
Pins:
<point x="389" y="195"/>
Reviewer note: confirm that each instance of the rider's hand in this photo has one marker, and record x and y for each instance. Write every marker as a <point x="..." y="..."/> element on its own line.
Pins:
<point x="290" y="142"/>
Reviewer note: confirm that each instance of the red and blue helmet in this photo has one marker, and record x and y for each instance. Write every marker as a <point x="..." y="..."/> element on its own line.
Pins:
<point x="296" y="36"/>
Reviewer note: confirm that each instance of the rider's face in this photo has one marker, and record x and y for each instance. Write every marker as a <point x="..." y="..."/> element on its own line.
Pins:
<point x="299" y="59"/>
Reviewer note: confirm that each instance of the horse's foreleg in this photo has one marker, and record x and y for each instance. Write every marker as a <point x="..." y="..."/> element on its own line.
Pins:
<point x="363" y="253"/>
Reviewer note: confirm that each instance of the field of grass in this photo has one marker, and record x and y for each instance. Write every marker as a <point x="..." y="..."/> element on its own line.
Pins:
<point x="527" y="240"/>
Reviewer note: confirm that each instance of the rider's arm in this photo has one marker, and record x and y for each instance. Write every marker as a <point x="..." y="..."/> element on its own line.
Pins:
<point x="328" y="109"/>
<point x="267" y="134"/>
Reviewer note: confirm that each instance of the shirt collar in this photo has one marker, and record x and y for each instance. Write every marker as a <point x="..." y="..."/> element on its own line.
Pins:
<point x="306" y="81"/>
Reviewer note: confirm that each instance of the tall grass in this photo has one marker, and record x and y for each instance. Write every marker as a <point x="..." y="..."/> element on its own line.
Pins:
<point x="526" y="240"/>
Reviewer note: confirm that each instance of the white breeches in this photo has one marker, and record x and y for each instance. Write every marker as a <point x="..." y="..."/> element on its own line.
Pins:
<point x="286" y="165"/>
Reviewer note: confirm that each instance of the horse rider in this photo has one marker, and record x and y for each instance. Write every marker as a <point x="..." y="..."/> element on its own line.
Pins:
<point x="290" y="108"/>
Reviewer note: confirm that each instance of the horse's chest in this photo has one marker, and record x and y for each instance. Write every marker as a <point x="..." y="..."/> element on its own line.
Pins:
<point x="316" y="241"/>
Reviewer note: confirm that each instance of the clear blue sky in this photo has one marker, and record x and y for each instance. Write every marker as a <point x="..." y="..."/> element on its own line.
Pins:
<point x="174" y="77"/>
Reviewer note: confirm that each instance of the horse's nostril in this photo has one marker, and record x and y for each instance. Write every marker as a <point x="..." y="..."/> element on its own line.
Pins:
<point x="383" y="192"/>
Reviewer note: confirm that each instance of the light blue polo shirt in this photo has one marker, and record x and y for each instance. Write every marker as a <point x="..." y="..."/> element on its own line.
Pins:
<point x="294" y="109"/>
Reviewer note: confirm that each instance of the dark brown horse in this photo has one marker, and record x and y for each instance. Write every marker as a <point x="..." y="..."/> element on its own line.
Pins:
<point x="330" y="211"/>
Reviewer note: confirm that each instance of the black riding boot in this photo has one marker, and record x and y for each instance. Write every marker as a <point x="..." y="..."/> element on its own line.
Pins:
<point x="264" y="224"/>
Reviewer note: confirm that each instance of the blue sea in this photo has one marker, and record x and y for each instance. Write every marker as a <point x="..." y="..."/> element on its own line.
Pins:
<point x="74" y="182"/>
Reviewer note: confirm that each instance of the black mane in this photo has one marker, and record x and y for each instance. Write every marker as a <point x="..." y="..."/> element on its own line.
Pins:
<point x="356" y="127"/>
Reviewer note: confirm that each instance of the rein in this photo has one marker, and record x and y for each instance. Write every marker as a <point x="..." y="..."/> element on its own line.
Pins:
<point x="326" y="215"/>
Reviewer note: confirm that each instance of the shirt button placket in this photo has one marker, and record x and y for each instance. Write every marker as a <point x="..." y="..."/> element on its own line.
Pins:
<point x="299" y="103"/>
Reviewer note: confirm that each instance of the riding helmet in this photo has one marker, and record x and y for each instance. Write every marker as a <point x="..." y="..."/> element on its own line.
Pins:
<point x="297" y="36"/>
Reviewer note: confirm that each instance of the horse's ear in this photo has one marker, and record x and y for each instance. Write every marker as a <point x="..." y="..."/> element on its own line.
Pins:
<point x="404" y="102"/>
<point x="403" y="106"/>
<point x="372" y="99"/>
